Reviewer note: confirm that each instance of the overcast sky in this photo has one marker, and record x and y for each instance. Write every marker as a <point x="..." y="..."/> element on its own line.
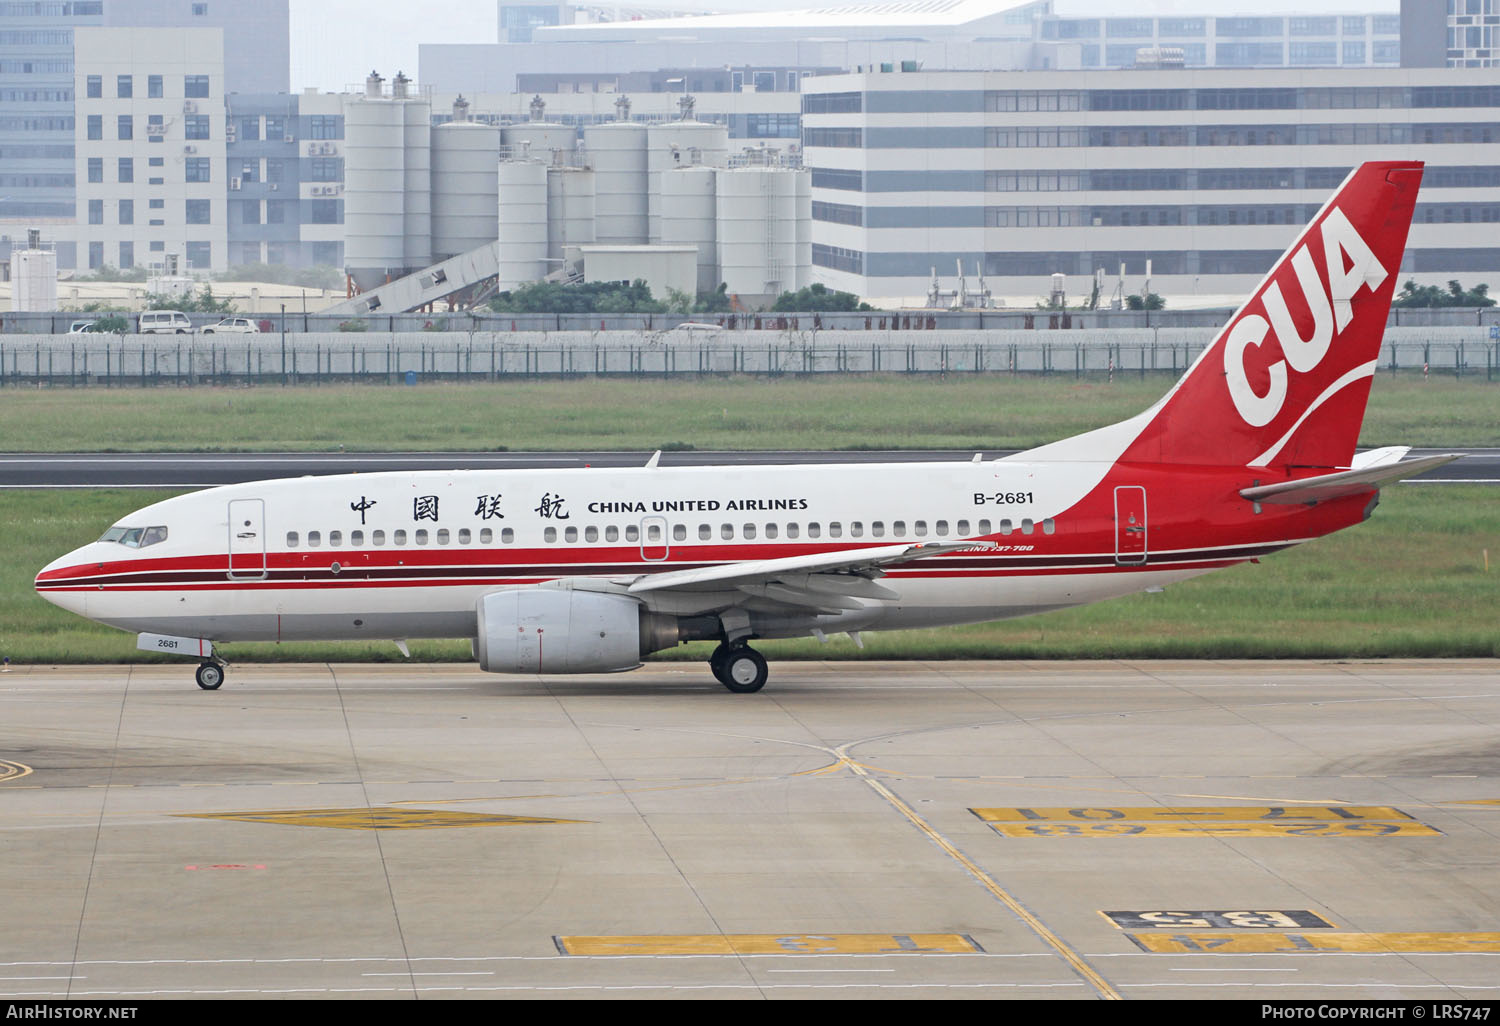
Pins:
<point x="335" y="43"/>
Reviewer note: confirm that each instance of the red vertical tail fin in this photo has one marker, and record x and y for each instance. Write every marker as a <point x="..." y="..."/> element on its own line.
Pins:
<point x="1285" y="381"/>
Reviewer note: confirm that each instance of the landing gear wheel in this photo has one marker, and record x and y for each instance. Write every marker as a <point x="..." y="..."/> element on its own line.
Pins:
<point x="716" y="664"/>
<point x="210" y="676"/>
<point x="745" y="671"/>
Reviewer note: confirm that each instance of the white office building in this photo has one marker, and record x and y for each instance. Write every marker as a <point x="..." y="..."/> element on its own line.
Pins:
<point x="1207" y="174"/>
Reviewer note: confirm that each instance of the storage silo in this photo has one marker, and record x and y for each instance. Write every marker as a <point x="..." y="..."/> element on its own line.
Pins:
<point x="679" y="144"/>
<point x="374" y="189"/>
<point x="465" y="187"/>
<point x="618" y="153"/>
<point x="802" y="189"/>
<point x="522" y="224"/>
<point x="417" y="118"/>
<point x="688" y="214"/>
<point x="33" y="276"/>
<point x="570" y="211"/>
<point x="756" y="213"/>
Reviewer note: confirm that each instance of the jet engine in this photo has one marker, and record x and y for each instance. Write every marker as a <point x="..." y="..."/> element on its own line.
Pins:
<point x="556" y="629"/>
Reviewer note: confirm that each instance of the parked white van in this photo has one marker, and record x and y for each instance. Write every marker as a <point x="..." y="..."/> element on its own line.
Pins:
<point x="165" y="322"/>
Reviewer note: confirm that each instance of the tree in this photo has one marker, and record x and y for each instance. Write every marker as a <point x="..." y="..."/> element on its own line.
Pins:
<point x="1413" y="295"/>
<point x="1151" y="301"/>
<point x="716" y="301"/>
<point x="193" y="302"/>
<point x="817" y="298"/>
<point x="585" y="297"/>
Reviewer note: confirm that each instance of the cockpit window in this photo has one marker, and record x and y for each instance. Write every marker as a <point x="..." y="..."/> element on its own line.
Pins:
<point x="135" y="537"/>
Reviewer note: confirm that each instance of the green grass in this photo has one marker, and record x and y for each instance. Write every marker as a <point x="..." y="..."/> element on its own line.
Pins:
<point x="834" y="412"/>
<point x="1411" y="582"/>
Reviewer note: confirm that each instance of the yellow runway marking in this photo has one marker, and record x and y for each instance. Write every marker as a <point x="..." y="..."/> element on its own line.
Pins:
<point x="1214" y="830"/>
<point x="378" y="819"/>
<point x="1215" y="813"/>
<point x="13" y="771"/>
<point x="1285" y="943"/>
<point x="771" y="944"/>
<point x="1052" y="940"/>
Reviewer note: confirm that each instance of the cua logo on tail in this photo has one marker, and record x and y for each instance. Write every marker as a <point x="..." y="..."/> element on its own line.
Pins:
<point x="1351" y="265"/>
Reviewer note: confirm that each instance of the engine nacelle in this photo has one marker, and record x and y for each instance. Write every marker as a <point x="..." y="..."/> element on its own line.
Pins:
<point x="557" y="630"/>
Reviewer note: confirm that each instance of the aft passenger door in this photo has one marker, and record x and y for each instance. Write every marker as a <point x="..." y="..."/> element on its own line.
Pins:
<point x="247" y="539"/>
<point x="1130" y="525"/>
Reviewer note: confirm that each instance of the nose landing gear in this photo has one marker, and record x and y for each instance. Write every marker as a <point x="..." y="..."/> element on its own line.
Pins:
<point x="210" y="675"/>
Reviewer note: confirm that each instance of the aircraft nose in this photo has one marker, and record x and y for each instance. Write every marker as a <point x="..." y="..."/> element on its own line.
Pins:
<point x="53" y="580"/>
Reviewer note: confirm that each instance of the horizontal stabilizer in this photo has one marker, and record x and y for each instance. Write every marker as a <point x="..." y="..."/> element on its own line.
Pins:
<point x="1345" y="482"/>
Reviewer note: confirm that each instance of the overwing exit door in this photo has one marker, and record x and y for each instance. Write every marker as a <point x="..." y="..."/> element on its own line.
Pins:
<point x="247" y="539"/>
<point x="1130" y="525"/>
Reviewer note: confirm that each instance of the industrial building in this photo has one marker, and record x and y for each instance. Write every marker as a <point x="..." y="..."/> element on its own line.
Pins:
<point x="433" y="211"/>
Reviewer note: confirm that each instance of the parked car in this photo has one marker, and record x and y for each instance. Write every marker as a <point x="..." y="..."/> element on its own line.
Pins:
<point x="80" y="327"/>
<point x="165" y="322"/>
<point x="238" y="325"/>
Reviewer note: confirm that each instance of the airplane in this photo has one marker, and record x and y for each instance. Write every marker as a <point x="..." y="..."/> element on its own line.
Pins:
<point x="590" y="570"/>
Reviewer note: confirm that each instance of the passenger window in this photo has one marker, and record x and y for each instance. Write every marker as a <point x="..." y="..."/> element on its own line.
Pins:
<point x="549" y="535"/>
<point x="507" y="535"/>
<point x="814" y="530"/>
<point x="632" y="533"/>
<point x="291" y="539"/>
<point x="877" y="529"/>
<point x="679" y="532"/>
<point x="486" y="536"/>
<point x="1005" y="526"/>
<point x="942" y="528"/>
<point x="793" y="530"/>
<point x="963" y="527"/>
<point x="726" y="531"/>
<point x="919" y="528"/>
<point x="611" y="533"/>
<point x="314" y="539"/>
<point x="984" y="527"/>
<point x="591" y="534"/>
<point x="398" y="538"/>
<point x="705" y="532"/>
<point x="464" y="536"/>
<point x="335" y="538"/>
<point x="356" y="538"/>
<point x="421" y="536"/>
<point x="1049" y="526"/>
<point x="570" y="534"/>
<point x="772" y="531"/>
<point x="835" y="530"/>
<point x="377" y="537"/>
<point x="748" y="532"/>
<point x="442" y="536"/>
<point x="653" y="532"/>
<point x="1027" y="527"/>
<point x="898" y="529"/>
<point x="856" y="530"/>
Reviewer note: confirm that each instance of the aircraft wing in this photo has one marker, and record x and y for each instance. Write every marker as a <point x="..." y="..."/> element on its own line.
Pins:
<point x="1372" y="470"/>
<point x="825" y="579"/>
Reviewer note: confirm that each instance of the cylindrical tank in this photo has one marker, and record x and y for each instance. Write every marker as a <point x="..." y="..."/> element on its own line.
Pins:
<point x="618" y="151"/>
<point x="570" y="211"/>
<point x="465" y="188"/>
<point x="540" y="140"/>
<point x="688" y="213"/>
<point x="522" y="226"/>
<point x="803" y="201"/>
<point x="374" y="189"/>
<point x="757" y="210"/>
<point x="34" y="279"/>
<point x="417" y="115"/>
<point x="678" y="144"/>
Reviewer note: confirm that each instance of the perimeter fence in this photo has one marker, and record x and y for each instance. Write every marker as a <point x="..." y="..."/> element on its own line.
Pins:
<point x="74" y="361"/>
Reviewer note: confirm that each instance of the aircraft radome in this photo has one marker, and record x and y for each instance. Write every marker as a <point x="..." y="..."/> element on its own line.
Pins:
<point x="589" y="570"/>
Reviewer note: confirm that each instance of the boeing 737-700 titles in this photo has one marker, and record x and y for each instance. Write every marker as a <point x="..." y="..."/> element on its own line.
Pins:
<point x="589" y="570"/>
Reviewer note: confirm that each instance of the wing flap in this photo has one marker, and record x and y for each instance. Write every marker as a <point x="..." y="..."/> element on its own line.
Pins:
<point x="811" y="573"/>
<point x="1345" y="482"/>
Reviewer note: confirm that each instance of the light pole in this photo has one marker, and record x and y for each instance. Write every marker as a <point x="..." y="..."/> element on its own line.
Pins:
<point x="283" y="344"/>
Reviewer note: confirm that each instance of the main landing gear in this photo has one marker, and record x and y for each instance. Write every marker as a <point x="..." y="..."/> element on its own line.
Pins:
<point x="739" y="668"/>
<point x="210" y="675"/>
